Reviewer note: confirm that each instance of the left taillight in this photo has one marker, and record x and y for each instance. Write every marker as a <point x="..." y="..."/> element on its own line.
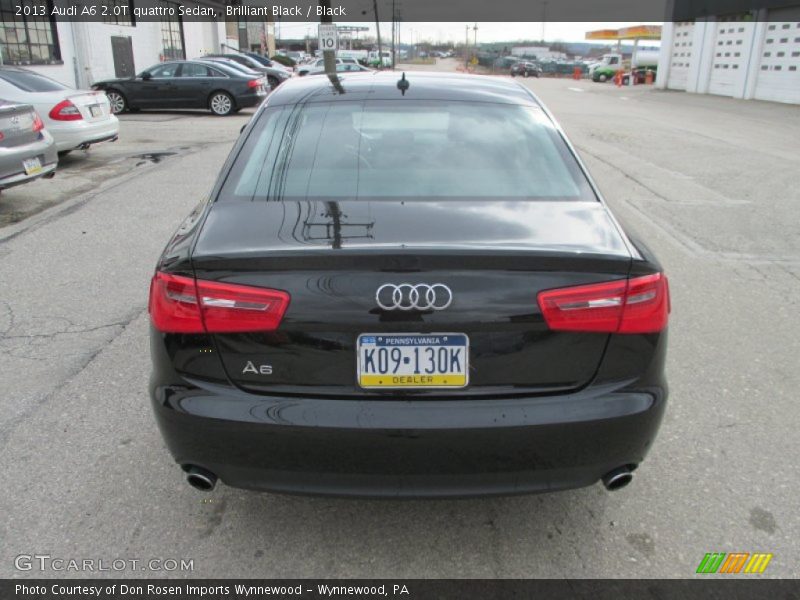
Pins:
<point x="184" y="305"/>
<point x="254" y="83"/>
<point x="636" y="305"/>
<point x="65" y="111"/>
<point x="38" y="124"/>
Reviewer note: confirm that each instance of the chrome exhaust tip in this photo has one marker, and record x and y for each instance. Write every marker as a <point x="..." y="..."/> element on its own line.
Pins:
<point x="617" y="479"/>
<point x="200" y="479"/>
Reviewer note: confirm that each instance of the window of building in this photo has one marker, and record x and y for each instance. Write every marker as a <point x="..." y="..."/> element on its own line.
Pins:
<point x="117" y="12"/>
<point x="29" y="39"/>
<point x="172" y="46"/>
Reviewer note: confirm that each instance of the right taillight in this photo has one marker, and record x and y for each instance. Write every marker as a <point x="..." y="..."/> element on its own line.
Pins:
<point x="184" y="305"/>
<point x="38" y="124"/>
<point x="636" y="305"/>
<point x="65" y="111"/>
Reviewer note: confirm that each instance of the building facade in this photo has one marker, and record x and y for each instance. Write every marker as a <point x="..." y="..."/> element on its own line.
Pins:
<point x="80" y="53"/>
<point x="754" y="55"/>
<point x="537" y="52"/>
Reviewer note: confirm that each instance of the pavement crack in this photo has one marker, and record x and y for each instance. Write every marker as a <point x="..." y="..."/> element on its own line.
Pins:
<point x="88" y="359"/>
<point x="625" y="174"/>
<point x="54" y="334"/>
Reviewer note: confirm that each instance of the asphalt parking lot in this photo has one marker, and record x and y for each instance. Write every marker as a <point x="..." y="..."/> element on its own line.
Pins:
<point x="710" y="182"/>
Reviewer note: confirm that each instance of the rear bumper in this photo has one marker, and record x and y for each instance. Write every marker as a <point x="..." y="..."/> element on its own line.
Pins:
<point x="22" y="177"/>
<point x="408" y="448"/>
<point x="250" y="99"/>
<point x="12" y="171"/>
<point x="74" y="134"/>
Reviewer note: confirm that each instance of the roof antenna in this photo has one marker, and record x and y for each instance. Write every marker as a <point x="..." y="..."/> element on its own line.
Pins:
<point x="403" y="84"/>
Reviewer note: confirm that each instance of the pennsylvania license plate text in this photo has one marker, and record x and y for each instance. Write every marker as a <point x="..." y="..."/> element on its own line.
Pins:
<point x="413" y="360"/>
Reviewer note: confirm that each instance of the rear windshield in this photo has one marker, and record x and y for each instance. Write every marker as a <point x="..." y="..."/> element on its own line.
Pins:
<point x="405" y="149"/>
<point x="31" y="82"/>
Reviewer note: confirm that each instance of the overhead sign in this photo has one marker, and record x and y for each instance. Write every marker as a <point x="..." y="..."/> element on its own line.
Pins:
<point x="328" y="37"/>
<point x="641" y="32"/>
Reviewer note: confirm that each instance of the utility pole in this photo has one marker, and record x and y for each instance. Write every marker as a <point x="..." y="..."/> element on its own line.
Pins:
<point x="544" y="19"/>
<point x="475" y="30"/>
<point x="394" y="27"/>
<point x="329" y="56"/>
<point x="399" y="21"/>
<point x="378" y="31"/>
<point x="466" y="50"/>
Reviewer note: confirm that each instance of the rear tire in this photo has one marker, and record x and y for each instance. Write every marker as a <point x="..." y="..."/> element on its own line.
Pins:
<point x="117" y="101"/>
<point x="602" y="78"/>
<point x="221" y="104"/>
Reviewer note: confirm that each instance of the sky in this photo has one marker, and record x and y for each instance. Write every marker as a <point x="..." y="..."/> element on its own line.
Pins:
<point x="487" y="32"/>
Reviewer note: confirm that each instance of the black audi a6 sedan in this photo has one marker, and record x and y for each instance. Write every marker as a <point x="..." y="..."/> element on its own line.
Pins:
<point x="185" y="84"/>
<point x="411" y="290"/>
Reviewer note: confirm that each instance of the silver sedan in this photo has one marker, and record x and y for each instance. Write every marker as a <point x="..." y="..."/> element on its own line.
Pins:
<point x="27" y="150"/>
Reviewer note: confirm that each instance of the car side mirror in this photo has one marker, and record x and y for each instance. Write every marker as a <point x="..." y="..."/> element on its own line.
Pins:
<point x="146" y="76"/>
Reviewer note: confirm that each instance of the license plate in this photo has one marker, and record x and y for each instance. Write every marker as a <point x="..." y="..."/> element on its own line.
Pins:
<point x="32" y="165"/>
<point x="96" y="110"/>
<point x="413" y="360"/>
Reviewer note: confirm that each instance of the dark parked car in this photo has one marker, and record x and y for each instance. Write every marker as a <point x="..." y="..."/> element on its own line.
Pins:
<point x="406" y="290"/>
<point x="27" y="150"/>
<point x="275" y="75"/>
<point x="268" y="62"/>
<point x="526" y="69"/>
<point x="185" y="84"/>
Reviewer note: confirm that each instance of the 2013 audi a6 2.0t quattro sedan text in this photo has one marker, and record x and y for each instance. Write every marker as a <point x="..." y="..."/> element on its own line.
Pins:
<point x="406" y="288"/>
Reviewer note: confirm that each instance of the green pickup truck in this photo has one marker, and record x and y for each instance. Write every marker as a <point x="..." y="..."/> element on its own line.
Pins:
<point x="605" y="73"/>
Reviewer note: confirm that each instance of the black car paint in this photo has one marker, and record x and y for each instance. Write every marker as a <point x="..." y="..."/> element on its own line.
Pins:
<point x="183" y="92"/>
<point x="525" y="69"/>
<point x="274" y="75"/>
<point x="526" y="424"/>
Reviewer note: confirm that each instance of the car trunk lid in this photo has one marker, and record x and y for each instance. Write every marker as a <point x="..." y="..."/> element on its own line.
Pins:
<point x="17" y="125"/>
<point x="93" y="106"/>
<point x="332" y="257"/>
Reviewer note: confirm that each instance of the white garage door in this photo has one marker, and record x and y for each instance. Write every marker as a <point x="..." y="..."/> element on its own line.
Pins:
<point x="732" y="36"/>
<point x="680" y="55"/>
<point x="778" y="75"/>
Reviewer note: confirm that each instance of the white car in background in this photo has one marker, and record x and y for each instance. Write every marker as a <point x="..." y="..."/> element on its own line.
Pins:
<point x="318" y="66"/>
<point x="75" y="118"/>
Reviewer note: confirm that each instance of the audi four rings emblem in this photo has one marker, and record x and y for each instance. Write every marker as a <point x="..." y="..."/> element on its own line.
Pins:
<point x="406" y="296"/>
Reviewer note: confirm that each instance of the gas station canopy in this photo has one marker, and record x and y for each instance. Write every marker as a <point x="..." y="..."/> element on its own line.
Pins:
<point x="637" y="32"/>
